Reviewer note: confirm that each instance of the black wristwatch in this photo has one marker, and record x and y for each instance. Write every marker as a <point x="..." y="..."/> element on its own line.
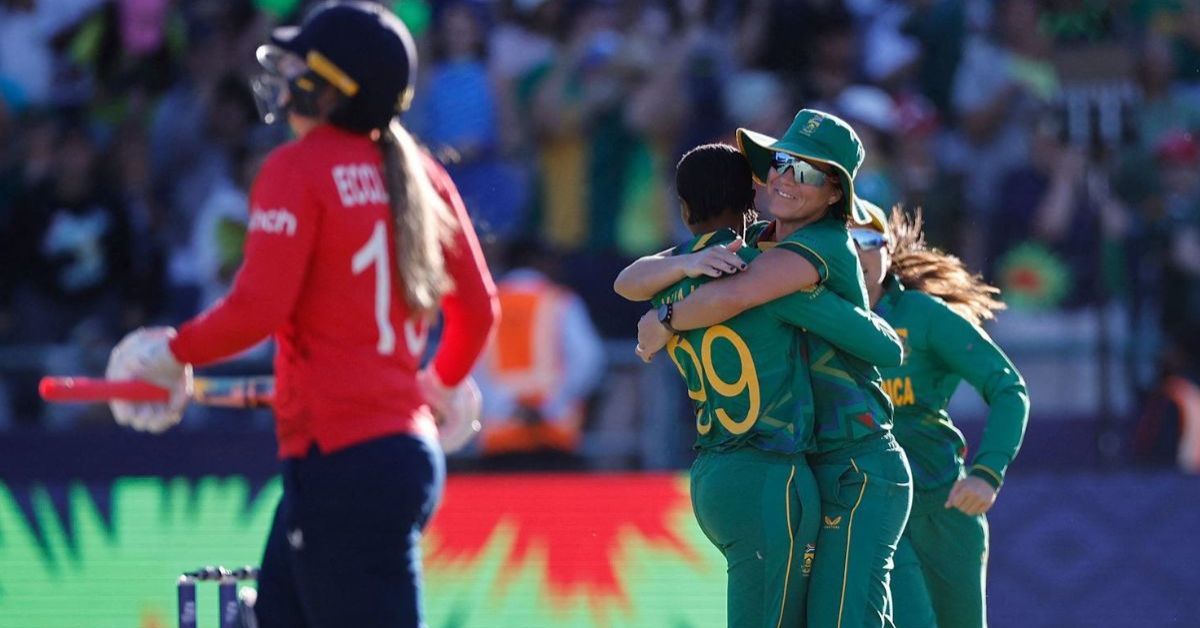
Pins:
<point x="665" y="312"/>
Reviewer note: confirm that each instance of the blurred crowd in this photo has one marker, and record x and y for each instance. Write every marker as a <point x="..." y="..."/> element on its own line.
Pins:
<point x="1053" y="144"/>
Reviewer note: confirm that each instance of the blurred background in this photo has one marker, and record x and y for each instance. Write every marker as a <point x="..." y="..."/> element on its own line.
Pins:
<point x="1052" y="144"/>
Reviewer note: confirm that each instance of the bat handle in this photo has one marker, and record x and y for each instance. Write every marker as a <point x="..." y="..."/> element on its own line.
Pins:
<point x="88" y="389"/>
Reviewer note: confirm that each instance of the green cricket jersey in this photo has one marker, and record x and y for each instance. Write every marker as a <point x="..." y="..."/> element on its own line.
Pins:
<point x="746" y="376"/>
<point x="848" y="396"/>
<point x="941" y="349"/>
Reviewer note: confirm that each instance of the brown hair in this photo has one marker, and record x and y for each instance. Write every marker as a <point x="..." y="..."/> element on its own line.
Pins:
<point x="937" y="273"/>
<point x="421" y="219"/>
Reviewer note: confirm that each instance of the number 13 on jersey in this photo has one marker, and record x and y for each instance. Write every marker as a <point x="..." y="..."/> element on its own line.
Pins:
<point x="702" y="364"/>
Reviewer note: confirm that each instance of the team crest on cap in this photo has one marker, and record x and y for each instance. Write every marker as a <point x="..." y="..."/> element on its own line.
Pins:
<point x="813" y="124"/>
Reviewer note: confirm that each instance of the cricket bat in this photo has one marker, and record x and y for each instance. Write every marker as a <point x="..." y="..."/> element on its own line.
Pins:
<point x="225" y="392"/>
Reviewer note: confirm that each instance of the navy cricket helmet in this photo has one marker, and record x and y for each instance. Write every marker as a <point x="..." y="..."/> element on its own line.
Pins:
<point x="360" y="49"/>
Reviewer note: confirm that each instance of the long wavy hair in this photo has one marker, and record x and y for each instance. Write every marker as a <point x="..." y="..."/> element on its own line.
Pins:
<point x="937" y="273"/>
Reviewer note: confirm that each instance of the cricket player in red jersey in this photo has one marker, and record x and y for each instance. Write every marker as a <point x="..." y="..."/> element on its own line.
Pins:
<point x="355" y="239"/>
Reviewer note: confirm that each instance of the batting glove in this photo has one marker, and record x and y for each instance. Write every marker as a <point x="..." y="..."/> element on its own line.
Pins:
<point x="145" y="354"/>
<point x="457" y="409"/>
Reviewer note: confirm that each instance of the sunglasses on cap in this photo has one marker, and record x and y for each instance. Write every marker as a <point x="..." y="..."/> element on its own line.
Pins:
<point x="803" y="172"/>
<point x="868" y="239"/>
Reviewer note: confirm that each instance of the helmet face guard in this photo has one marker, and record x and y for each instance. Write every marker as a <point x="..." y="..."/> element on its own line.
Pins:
<point x="285" y="84"/>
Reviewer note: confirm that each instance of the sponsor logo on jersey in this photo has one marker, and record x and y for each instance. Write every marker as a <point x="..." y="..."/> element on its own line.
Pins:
<point x="833" y="523"/>
<point x="359" y="184"/>
<point x="902" y="332"/>
<point x="274" y="221"/>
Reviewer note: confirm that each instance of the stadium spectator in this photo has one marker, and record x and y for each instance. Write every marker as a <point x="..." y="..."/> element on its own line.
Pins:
<point x="456" y="113"/>
<point x="228" y="116"/>
<point x="1166" y="106"/>
<point x="1060" y="203"/>
<point x="939" y="27"/>
<point x="1178" y="236"/>
<point x="70" y="237"/>
<point x="1000" y="88"/>
<point x="873" y="113"/>
<point x="544" y="362"/>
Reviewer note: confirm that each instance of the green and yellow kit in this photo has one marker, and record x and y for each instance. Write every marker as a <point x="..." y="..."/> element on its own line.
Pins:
<point x="753" y="492"/>
<point x="942" y="561"/>
<point x="861" y="472"/>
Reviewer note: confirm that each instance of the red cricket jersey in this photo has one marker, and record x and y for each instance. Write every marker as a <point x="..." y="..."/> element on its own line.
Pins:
<point x="319" y="275"/>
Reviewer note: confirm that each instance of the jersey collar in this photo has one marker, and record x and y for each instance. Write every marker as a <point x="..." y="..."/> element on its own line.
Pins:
<point x="765" y="237"/>
<point x="705" y="240"/>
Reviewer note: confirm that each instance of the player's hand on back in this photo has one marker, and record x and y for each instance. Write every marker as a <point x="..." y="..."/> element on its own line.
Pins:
<point x="144" y="354"/>
<point x="971" y="495"/>
<point x="715" y="261"/>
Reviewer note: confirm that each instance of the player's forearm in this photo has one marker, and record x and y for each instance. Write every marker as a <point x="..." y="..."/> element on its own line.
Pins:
<point x="648" y="276"/>
<point x="774" y="274"/>
<point x="854" y="330"/>
<point x="470" y="312"/>
<point x="467" y="331"/>
<point x="866" y="336"/>
<point x="1008" y="417"/>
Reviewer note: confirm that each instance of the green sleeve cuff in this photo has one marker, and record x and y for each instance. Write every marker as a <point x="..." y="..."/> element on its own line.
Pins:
<point x="989" y="475"/>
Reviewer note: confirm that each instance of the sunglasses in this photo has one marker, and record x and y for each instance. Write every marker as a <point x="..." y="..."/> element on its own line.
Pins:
<point x="803" y="172"/>
<point x="868" y="239"/>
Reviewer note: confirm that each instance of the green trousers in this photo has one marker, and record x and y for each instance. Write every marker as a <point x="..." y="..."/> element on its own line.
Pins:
<point x="866" y="493"/>
<point x="941" y="566"/>
<point x="761" y="510"/>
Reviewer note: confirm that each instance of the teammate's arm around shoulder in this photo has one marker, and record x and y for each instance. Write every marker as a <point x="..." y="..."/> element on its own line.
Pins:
<point x="280" y="237"/>
<point x="472" y="309"/>
<point x="774" y="274"/>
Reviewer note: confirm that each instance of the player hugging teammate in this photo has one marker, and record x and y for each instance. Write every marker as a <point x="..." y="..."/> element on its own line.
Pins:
<point x="786" y="281"/>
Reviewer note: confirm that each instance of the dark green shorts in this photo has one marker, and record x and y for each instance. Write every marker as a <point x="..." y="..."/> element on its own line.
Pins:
<point x="761" y="510"/>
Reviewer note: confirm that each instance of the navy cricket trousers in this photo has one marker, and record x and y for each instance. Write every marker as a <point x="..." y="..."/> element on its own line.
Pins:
<point x="344" y="549"/>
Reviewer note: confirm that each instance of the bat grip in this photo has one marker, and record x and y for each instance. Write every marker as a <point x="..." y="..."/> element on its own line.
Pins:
<point x="87" y="389"/>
